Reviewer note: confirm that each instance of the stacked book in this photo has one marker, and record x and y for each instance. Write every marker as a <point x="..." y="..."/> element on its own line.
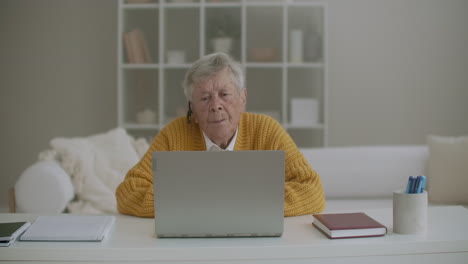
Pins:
<point x="10" y="231"/>
<point x="136" y="47"/>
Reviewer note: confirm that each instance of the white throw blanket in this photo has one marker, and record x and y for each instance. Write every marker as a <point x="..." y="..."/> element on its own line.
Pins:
<point x="97" y="165"/>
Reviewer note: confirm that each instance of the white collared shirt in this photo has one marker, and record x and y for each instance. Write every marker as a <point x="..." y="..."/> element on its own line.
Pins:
<point x="211" y="146"/>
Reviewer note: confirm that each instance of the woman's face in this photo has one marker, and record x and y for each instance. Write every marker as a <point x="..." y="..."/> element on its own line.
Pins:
<point x="217" y="106"/>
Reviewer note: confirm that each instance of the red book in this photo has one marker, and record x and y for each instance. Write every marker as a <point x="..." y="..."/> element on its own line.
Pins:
<point x="129" y="48"/>
<point x="137" y="46"/>
<point x="348" y="225"/>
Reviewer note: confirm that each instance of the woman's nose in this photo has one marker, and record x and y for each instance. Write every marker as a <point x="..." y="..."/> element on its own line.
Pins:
<point x="216" y="104"/>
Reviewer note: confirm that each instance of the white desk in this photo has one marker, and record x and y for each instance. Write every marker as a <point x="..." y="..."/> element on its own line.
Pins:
<point x="132" y="240"/>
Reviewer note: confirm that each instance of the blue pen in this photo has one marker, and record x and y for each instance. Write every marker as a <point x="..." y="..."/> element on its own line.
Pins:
<point x="413" y="183"/>
<point x="417" y="183"/>
<point x="410" y="184"/>
<point x="422" y="184"/>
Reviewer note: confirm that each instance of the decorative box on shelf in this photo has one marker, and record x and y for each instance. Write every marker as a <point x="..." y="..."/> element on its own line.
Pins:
<point x="304" y="111"/>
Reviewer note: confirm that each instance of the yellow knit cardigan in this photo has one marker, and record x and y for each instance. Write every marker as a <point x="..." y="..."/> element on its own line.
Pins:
<point x="303" y="188"/>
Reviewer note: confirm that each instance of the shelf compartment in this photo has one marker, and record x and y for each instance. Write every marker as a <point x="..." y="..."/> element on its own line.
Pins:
<point x="175" y="104"/>
<point x="223" y="30"/>
<point x="264" y="91"/>
<point x="140" y="88"/>
<point x="181" y="35"/>
<point x="307" y="138"/>
<point x="140" y="36"/>
<point x="265" y="41"/>
<point x="305" y="90"/>
<point x="307" y="33"/>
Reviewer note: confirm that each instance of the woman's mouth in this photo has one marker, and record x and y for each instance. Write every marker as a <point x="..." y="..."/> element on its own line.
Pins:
<point x="217" y="121"/>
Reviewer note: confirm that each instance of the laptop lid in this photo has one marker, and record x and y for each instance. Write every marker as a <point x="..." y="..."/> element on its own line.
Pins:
<point x="218" y="194"/>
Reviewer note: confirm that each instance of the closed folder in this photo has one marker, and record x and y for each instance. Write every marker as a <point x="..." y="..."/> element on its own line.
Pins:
<point x="69" y="228"/>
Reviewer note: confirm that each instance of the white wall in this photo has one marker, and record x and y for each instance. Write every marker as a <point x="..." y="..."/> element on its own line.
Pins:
<point x="398" y="71"/>
<point x="57" y="76"/>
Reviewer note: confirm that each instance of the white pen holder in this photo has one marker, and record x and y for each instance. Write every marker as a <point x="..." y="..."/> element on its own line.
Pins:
<point x="409" y="212"/>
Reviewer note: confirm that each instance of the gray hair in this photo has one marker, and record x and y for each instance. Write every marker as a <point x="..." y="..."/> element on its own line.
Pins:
<point x="208" y="66"/>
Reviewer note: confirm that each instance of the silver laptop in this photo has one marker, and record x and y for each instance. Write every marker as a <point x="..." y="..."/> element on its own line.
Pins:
<point x="219" y="194"/>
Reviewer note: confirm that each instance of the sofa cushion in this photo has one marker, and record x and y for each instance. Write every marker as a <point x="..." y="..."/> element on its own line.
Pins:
<point x="44" y="187"/>
<point x="366" y="172"/>
<point x="448" y="169"/>
<point x="97" y="164"/>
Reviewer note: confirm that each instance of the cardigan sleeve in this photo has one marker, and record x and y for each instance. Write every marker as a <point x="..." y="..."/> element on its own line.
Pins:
<point x="303" y="192"/>
<point x="135" y="195"/>
<point x="303" y="188"/>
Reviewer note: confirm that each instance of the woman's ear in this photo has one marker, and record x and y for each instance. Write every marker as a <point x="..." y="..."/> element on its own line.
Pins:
<point x="189" y="112"/>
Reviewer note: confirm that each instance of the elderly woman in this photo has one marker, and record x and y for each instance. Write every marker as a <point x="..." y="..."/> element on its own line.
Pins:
<point x="216" y="120"/>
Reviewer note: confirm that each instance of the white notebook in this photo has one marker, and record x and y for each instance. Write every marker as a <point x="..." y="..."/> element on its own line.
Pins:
<point x="69" y="228"/>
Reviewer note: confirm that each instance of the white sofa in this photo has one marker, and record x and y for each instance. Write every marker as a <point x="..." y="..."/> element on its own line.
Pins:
<point x="365" y="177"/>
<point x="354" y="178"/>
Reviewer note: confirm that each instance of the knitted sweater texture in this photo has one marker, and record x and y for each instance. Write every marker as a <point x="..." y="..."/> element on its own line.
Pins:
<point x="303" y="188"/>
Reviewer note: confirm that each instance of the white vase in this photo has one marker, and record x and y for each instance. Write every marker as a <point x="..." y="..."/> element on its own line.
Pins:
<point x="223" y="44"/>
<point x="296" y="46"/>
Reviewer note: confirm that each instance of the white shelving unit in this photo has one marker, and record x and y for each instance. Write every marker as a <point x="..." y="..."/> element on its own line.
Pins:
<point x="261" y="41"/>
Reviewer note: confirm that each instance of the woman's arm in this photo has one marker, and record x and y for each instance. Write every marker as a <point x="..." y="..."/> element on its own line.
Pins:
<point x="303" y="192"/>
<point x="135" y="195"/>
<point x="303" y="188"/>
